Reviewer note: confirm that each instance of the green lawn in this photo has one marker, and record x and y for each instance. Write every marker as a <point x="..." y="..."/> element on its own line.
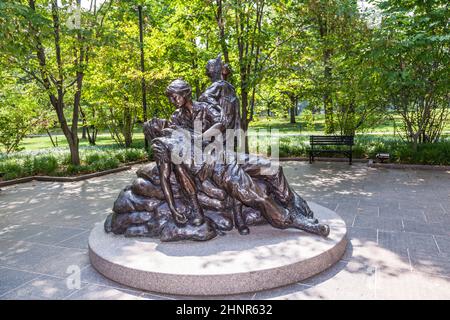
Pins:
<point x="283" y="125"/>
<point x="43" y="142"/>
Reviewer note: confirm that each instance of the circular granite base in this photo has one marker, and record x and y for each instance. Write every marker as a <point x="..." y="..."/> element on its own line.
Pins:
<point x="230" y="264"/>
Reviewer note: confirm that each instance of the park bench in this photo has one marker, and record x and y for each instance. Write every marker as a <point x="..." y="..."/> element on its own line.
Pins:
<point x="325" y="141"/>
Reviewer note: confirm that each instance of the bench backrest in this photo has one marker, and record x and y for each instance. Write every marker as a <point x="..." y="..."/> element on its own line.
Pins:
<point x="332" y="140"/>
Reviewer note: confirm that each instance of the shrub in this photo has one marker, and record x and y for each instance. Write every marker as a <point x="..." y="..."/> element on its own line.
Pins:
<point x="298" y="150"/>
<point x="105" y="163"/>
<point x="134" y="154"/>
<point x="11" y="169"/>
<point x="93" y="157"/>
<point x="56" y="161"/>
<point x="368" y="147"/>
<point x="66" y="159"/>
<point x="28" y="166"/>
<point x="430" y="153"/>
<point x="308" y="118"/>
<point x="47" y="164"/>
<point x="284" y="150"/>
<point x="120" y="155"/>
<point x="71" y="169"/>
<point x="358" y="151"/>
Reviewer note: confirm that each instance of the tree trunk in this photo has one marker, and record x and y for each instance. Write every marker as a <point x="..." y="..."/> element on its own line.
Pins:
<point x="221" y="25"/>
<point x="51" y="138"/>
<point x="92" y="135"/>
<point x="259" y="14"/>
<point x="127" y="127"/>
<point x="292" y="114"/>
<point x="57" y="101"/>
<point x="198" y="91"/>
<point x="252" y="105"/>
<point x="71" y="134"/>
<point x="293" y="99"/>
<point x="244" y="120"/>
<point x="327" y="102"/>
<point x="415" y="143"/>
<point x="144" y="97"/>
<point x="350" y="120"/>
<point x="324" y="32"/>
<point x="74" y="150"/>
<point x="84" y="131"/>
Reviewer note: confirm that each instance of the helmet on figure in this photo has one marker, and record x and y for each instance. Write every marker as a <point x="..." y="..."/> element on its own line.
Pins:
<point x="214" y="68"/>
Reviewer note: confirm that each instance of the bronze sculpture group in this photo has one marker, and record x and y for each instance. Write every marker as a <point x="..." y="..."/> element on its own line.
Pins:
<point x="199" y="199"/>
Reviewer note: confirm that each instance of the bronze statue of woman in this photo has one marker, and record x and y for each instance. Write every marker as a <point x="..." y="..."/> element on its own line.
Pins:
<point x="190" y="200"/>
<point x="230" y="177"/>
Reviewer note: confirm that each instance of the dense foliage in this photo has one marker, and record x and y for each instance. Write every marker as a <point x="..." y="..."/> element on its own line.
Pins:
<point x="76" y="64"/>
<point x="57" y="162"/>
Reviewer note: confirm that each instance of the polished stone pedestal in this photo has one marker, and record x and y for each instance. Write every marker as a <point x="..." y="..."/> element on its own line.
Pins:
<point x="230" y="264"/>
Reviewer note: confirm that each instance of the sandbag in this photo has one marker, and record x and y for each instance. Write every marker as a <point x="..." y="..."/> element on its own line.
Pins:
<point x="130" y="202"/>
<point x="145" y="188"/>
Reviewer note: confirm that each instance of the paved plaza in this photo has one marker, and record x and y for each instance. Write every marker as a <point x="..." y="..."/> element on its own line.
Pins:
<point x="398" y="226"/>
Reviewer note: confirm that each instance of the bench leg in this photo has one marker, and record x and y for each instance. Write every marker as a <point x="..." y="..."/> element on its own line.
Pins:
<point x="350" y="159"/>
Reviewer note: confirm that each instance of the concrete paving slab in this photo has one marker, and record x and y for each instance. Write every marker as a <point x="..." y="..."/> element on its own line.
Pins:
<point x="436" y="229"/>
<point x="398" y="242"/>
<point x="438" y="264"/>
<point x="12" y="278"/>
<point x="79" y="241"/>
<point x="443" y="244"/>
<point x="20" y="232"/>
<point x="345" y="280"/>
<point x="95" y="292"/>
<point x="53" y="235"/>
<point x="42" y="288"/>
<point x="406" y="214"/>
<point x="378" y="223"/>
<point x="404" y="284"/>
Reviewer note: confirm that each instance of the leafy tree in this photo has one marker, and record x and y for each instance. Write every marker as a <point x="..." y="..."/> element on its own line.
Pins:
<point x="412" y="54"/>
<point x="325" y="18"/>
<point x="281" y="53"/>
<point x="270" y="102"/>
<point x="20" y="112"/>
<point x="48" y="42"/>
<point x="358" y="95"/>
<point x="113" y="88"/>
